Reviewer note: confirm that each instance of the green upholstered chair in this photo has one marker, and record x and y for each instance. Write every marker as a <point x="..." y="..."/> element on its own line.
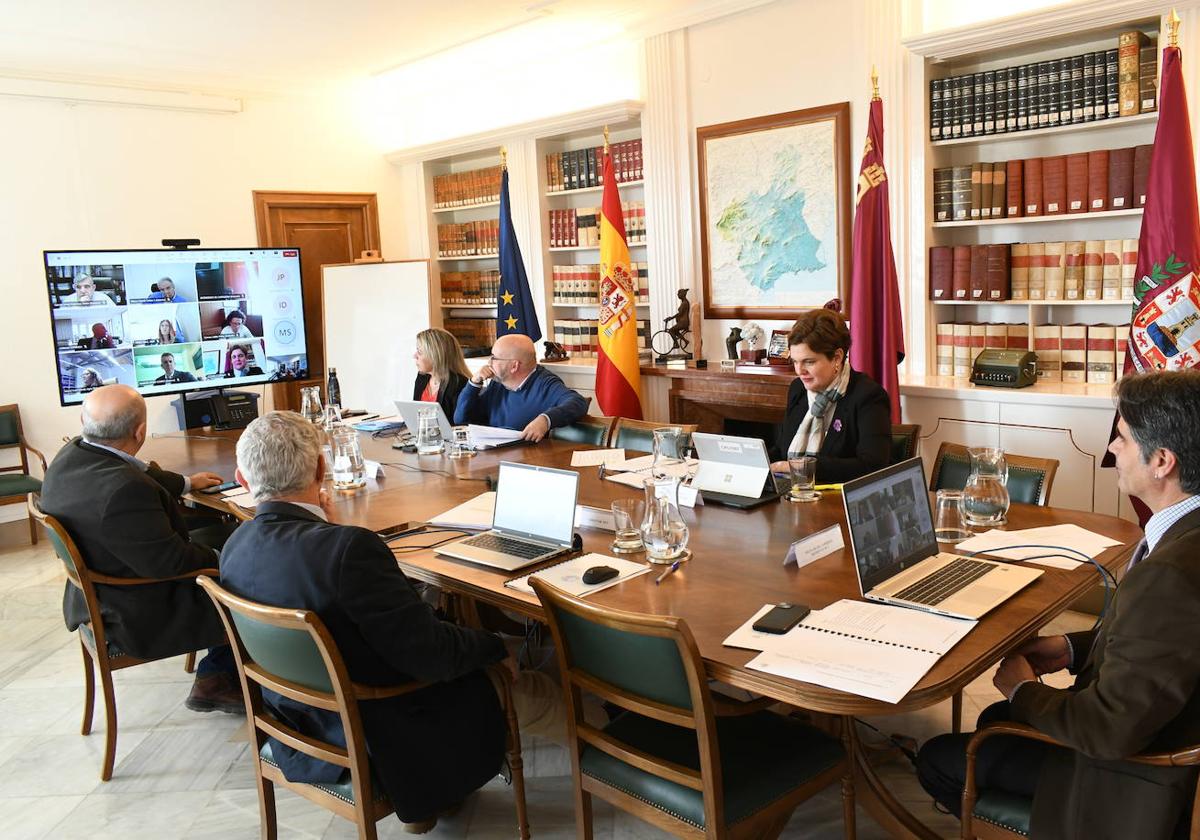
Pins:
<point x="15" y="480"/>
<point x="905" y="438"/>
<point x="97" y="651"/>
<point x="638" y="435"/>
<point x="669" y="759"/>
<point x="996" y="815"/>
<point x="1029" y="478"/>
<point x="291" y="652"/>
<point x="594" y="431"/>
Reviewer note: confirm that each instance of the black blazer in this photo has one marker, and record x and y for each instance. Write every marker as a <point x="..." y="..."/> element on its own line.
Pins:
<point x="430" y="748"/>
<point x="858" y="439"/>
<point x="448" y="395"/>
<point x="127" y="523"/>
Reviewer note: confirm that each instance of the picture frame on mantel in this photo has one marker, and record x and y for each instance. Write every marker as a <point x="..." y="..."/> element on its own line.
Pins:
<point x="775" y="213"/>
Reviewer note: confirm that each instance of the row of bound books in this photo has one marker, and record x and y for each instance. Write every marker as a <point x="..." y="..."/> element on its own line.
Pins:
<point x="468" y="239"/>
<point x="582" y="168"/>
<point x="580" y="226"/>
<point x="1086" y="182"/>
<point x="479" y="333"/>
<point x="1093" y="269"/>
<point x="1079" y="353"/>
<point x="462" y="188"/>
<point x="576" y="285"/>
<point x="466" y="288"/>
<point x="1104" y="84"/>
<point x="581" y="338"/>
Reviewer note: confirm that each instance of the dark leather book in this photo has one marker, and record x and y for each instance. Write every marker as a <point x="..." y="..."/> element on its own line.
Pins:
<point x="979" y="102"/>
<point x="1141" y="173"/>
<point x="1089" y="86"/>
<point x="976" y="189"/>
<point x="1015" y="181"/>
<point x="979" y="273"/>
<point x="1148" y="78"/>
<point x="1032" y="191"/>
<point x="1043" y="94"/>
<point x="1023" y="97"/>
<point x="1064" y="91"/>
<point x="1002" y="100"/>
<point x="1120" y="179"/>
<point x="955" y="89"/>
<point x="985" y="191"/>
<point x="997" y="273"/>
<point x="967" y="105"/>
<point x="1098" y="180"/>
<point x="1010" y="122"/>
<point x="961" y="272"/>
<point x="999" y="189"/>
<point x="960" y="193"/>
<point x="935" y="109"/>
<point x="1054" y="92"/>
<point x="943" y="199"/>
<point x="1111" y="84"/>
<point x="1076" y="88"/>
<point x="1077" y="183"/>
<point x="941" y="273"/>
<point x="989" y="102"/>
<point x="1054" y="185"/>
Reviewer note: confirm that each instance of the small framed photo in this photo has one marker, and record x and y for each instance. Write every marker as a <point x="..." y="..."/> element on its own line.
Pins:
<point x="777" y="347"/>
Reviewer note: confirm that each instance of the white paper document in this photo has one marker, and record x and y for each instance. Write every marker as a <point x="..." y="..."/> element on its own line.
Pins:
<point x="873" y="650"/>
<point x="634" y="471"/>
<point x="999" y="544"/>
<point x="240" y="497"/>
<point x="568" y="575"/>
<point x="595" y="457"/>
<point x="472" y="515"/>
<point x="485" y="437"/>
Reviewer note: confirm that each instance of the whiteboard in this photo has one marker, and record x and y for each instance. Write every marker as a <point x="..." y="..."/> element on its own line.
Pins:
<point x="373" y="312"/>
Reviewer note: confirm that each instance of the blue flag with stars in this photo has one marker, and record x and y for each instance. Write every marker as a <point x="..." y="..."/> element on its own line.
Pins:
<point x="514" y="303"/>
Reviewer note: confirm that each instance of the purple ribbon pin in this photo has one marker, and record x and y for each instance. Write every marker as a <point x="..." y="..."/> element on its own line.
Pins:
<point x="837" y="425"/>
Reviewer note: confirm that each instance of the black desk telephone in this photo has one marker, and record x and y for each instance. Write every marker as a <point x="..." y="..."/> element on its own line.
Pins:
<point x="233" y="411"/>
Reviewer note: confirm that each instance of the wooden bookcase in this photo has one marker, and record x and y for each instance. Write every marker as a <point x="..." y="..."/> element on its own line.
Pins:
<point x="1058" y="140"/>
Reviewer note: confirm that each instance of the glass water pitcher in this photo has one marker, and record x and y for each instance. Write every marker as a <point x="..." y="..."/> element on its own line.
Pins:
<point x="670" y="448"/>
<point x="664" y="533"/>
<point x="985" y="497"/>
<point x="310" y="405"/>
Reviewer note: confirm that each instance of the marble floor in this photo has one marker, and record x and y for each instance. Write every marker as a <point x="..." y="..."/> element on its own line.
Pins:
<point x="185" y="775"/>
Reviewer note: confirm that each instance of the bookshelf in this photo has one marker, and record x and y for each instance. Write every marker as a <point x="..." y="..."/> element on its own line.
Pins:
<point x="1050" y="141"/>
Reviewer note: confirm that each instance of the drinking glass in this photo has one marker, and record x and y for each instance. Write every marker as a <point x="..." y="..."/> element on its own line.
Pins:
<point x="804" y="479"/>
<point x="429" y="433"/>
<point x="460" y="445"/>
<point x="310" y="405"/>
<point x="348" y="469"/>
<point x="948" y="523"/>
<point x="627" y="517"/>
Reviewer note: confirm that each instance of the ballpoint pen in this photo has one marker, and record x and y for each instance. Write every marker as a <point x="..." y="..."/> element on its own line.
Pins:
<point x="663" y="576"/>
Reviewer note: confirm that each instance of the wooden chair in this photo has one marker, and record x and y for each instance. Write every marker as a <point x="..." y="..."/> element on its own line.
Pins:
<point x="669" y="759"/>
<point x="587" y="429"/>
<point x="1029" y="478"/>
<point x="638" y="435"/>
<point x="905" y="439"/>
<point x="93" y="640"/>
<point x="292" y="652"/>
<point x="1002" y="816"/>
<point x="17" y="483"/>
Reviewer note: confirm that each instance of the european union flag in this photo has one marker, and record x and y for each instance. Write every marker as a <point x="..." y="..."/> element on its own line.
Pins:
<point x="514" y="303"/>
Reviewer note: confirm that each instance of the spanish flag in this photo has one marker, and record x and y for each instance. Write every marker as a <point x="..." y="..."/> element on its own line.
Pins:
<point x="618" y="378"/>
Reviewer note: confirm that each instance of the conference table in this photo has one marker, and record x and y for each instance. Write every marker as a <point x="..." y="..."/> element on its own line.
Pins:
<point x="736" y="568"/>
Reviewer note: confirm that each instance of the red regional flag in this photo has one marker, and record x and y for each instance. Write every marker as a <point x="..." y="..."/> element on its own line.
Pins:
<point x="876" y="328"/>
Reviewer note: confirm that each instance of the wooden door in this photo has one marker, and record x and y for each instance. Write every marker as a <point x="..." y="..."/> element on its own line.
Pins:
<point x="327" y="228"/>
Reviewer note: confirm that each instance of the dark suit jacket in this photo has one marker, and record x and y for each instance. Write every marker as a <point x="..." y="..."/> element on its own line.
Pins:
<point x="430" y="748"/>
<point x="1137" y="690"/>
<point x="252" y="370"/>
<point x="127" y="523"/>
<point x="177" y="376"/>
<point x="448" y="394"/>
<point x="858" y="439"/>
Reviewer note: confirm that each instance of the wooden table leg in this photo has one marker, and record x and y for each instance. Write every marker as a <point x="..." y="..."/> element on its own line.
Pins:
<point x="870" y="790"/>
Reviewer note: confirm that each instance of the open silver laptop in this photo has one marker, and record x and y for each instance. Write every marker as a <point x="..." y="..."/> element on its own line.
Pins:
<point x="410" y="411"/>
<point x="896" y="553"/>
<point x="533" y="521"/>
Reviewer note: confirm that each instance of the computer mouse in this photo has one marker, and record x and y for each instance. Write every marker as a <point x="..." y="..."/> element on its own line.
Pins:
<point x="599" y="574"/>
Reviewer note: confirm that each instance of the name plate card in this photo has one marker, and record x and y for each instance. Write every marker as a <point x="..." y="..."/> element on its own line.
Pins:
<point x="815" y="546"/>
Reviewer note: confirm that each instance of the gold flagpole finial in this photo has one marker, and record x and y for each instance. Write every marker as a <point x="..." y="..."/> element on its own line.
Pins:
<point x="503" y="158"/>
<point x="605" y="139"/>
<point x="1173" y="28"/>
<point x="874" y="84"/>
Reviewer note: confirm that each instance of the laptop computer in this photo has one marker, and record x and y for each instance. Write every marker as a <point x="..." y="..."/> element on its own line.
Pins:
<point x="410" y="411"/>
<point x="896" y="553"/>
<point x="733" y="471"/>
<point x="534" y="519"/>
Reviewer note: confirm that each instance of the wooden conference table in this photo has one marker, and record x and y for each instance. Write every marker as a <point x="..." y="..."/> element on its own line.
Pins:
<point x="737" y="567"/>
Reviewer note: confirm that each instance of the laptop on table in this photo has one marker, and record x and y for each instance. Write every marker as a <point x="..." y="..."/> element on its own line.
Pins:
<point x="534" y="519"/>
<point x="896" y="553"/>
<point x="410" y="410"/>
<point x="733" y="471"/>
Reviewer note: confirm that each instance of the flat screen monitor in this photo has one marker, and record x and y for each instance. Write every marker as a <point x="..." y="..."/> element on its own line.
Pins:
<point x="166" y="321"/>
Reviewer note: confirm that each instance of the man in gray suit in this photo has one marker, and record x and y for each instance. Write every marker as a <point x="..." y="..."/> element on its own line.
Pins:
<point x="1137" y="685"/>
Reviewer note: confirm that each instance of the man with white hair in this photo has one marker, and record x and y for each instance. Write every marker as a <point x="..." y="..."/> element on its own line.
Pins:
<point x="522" y="395"/>
<point x="123" y="515"/>
<point x="430" y="748"/>
<point x="85" y="293"/>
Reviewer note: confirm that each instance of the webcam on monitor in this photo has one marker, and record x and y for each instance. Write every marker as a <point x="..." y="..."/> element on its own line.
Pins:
<point x="180" y="244"/>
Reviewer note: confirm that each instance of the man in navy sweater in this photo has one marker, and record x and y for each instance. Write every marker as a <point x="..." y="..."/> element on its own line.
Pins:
<point x="522" y="395"/>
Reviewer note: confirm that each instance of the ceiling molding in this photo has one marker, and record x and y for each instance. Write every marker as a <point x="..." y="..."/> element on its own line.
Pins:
<point x="93" y="94"/>
<point x="693" y="15"/>
<point x="615" y="112"/>
<point x="1066" y="19"/>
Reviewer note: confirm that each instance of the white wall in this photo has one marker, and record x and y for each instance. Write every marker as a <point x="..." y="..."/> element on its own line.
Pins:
<point x="780" y="57"/>
<point x="113" y="177"/>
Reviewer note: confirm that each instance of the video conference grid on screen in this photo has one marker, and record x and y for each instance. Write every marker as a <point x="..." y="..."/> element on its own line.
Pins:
<point x="170" y="321"/>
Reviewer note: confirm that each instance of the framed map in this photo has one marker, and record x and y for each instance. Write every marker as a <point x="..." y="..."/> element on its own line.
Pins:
<point x="775" y="213"/>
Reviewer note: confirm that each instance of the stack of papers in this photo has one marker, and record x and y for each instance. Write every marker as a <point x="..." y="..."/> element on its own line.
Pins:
<point x="568" y="575"/>
<point x="634" y="471"/>
<point x="240" y="497"/>
<point x="486" y="437"/>
<point x="999" y="544"/>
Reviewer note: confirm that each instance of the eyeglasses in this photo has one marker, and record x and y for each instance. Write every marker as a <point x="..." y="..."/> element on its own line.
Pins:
<point x="501" y="359"/>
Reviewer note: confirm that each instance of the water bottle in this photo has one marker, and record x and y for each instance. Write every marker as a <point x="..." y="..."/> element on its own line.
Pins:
<point x="333" y="391"/>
